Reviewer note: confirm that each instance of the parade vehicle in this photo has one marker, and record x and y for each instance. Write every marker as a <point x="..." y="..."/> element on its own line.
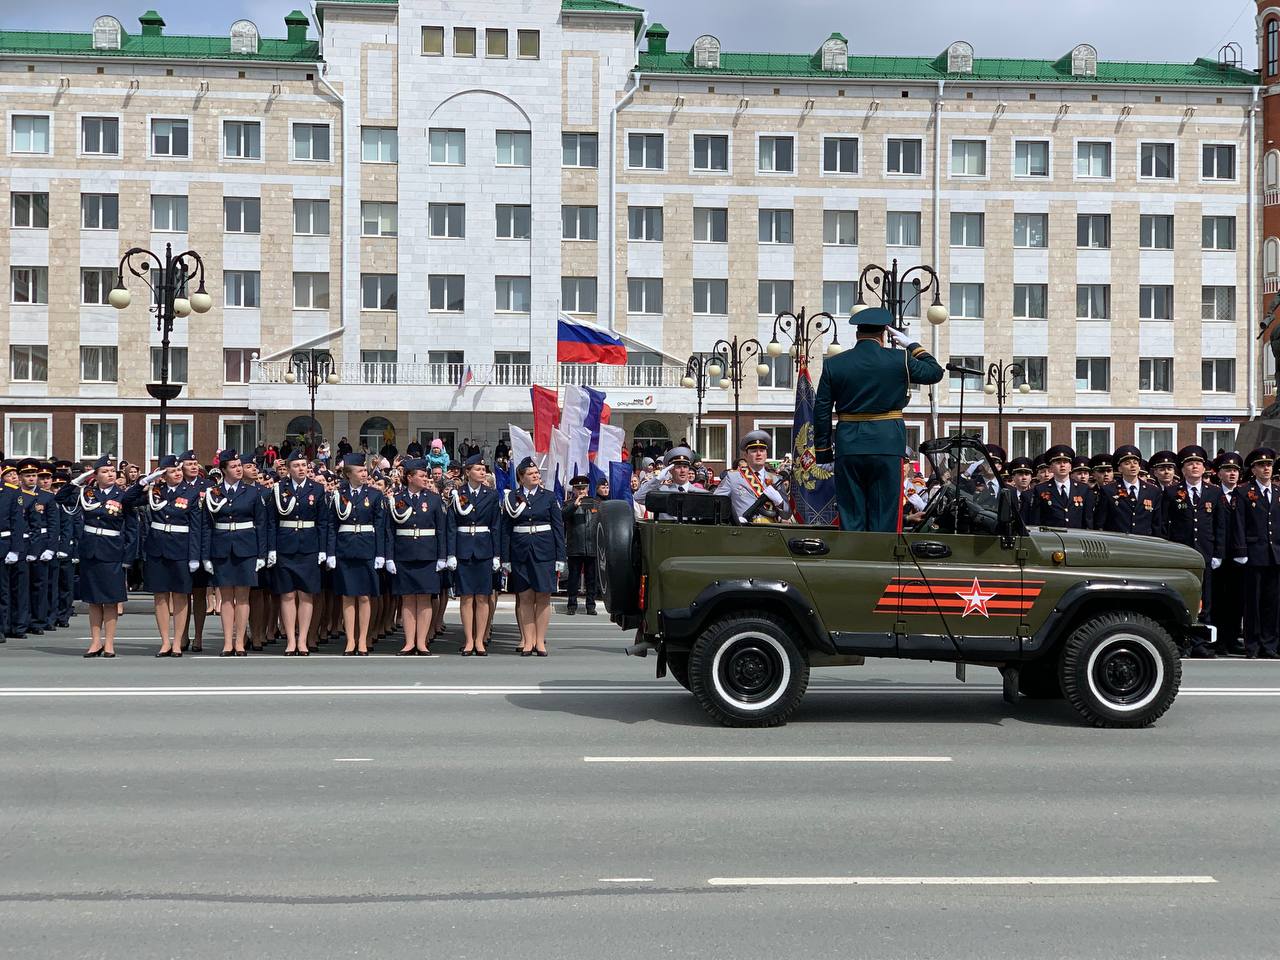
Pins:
<point x="739" y="613"/>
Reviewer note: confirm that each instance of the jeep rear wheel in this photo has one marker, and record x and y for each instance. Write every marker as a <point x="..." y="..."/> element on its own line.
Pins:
<point x="746" y="671"/>
<point x="1120" y="670"/>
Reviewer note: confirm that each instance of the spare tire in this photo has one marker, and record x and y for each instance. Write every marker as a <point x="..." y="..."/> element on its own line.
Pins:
<point x="618" y="559"/>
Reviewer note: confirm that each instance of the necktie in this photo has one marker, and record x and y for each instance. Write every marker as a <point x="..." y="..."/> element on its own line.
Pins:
<point x="1195" y="497"/>
<point x="1133" y="491"/>
<point x="1062" y="491"/>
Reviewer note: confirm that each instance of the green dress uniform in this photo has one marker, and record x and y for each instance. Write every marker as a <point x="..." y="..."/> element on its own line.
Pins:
<point x="867" y="387"/>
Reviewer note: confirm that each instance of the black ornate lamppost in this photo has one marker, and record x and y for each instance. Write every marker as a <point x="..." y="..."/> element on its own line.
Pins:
<point x="314" y="368"/>
<point x="804" y="332"/>
<point x="1001" y="379"/>
<point x="169" y="302"/>
<point x="728" y="361"/>
<point x="695" y="378"/>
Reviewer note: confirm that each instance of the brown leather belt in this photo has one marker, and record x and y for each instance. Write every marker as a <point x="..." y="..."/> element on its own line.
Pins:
<point x="868" y="417"/>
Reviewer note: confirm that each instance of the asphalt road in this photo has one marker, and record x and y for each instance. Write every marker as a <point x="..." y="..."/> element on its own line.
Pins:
<point x="449" y="807"/>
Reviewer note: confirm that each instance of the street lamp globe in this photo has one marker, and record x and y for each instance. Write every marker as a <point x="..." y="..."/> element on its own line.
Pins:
<point x="763" y="369"/>
<point x="858" y="308"/>
<point x="201" y="302"/>
<point x="724" y="384"/>
<point x="989" y="389"/>
<point x="687" y="382"/>
<point x="773" y="348"/>
<point x="181" y="307"/>
<point x="332" y="379"/>
<point x="937" y="314"/>
<point x="1024" y="387"/>
<point x="714" y="370"/>
<point x="119" y="298"/>
<point x="834" y="348"/>
<point x="290" y="377"/>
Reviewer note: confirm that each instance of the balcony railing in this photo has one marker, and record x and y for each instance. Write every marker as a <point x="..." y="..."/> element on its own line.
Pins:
<point x="487" y="374"/>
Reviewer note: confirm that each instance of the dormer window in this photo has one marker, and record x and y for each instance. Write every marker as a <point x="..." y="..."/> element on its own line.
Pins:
<point x="1084" y="61"/>
<point x="1273" y="47"/>
<point x="960" y="57"/>
<point x="835" y="53"/>
<point x="706" y="52"/>
<point x="244" y="37"/>
<point x="106" y="33"/>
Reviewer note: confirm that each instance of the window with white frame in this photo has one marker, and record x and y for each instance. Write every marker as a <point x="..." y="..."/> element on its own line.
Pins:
<point x="967" y="229"/>
<point x="378" y="218"/>
<point x="95" y="284"/>
<point x="1270" y="257"/>
<point x="1218" y="439"/>
<point x="970" y="362"/>
<point x="311" y="141"/>
<point x="578" y="294"/>
<point x="242" y="140"/>
<point x="1155" y="231"/>
<point x="578" y="222"/>
<point x="513" y="221"/>
<point x="644" y="295"/>
<point x="1151" y="439"/>
<point x="1091" y="440"/>
<point x="644" y="223"/>
<point x="378" y="291"/>
<point x="100" y="211"/>
<point x="98" y="364"/>
<point x="240" y="434"/>
<point x="311" y="218"/>
<point x="902" y="228"/>
<point x="580" y="150"/>
<point x="29" y="133"/>
<point x="840" y="228"/>
<point x="170" y="138"/>
<point x="1033" y="371"/>
<point x="1155" y="161"/>
<point x="711" y="297"/>
<point x="903" y="156"/>
<point x="28" y="437"/>
<point x="1218" y="161"/>
<point x="1271" y="164"/>
<point x="381" y="145"/>
<point x="710" y="152"/>
<point x="1093" y="230"/>
<point x="1093" y="301"/>
<point x="1155" y="374"/>
<point x="446" y="221"/>
<point x="379" y="366"/>
<point x="29" y="210"/>
<point x="311" y="291"/>
<point x="776" y="226"/>
<point x="511" y="367"/>
<point x="169" y="214"/>
<point x="781" y="372"/>
<point x="237" y="365"/>
<point x="514" y="148"/>
<point x="512" y="294"/>
<point x="1031" y="230"/>
<point x="29" y="362"/>
<point x="1030" y="301"/>
<point x="774" y="296"/>
<point x="448" y="147"/>
<point x="713" y="441"/>
<point x="447" y="292"/>
<point x="1028" y="442"/>
<point x="177" y="364"/>
<point x="838" y="297"/>
<point x="1093" y="374"/>
<point x="100" y="438"/>
<point x="967" y="300"/>
<point x="840" y="155"/>
<point x="1218" y="233"/>
<point x="29" y="285"/>
<point x="1218" y="304"/>
<point x="1093" y="159"/>
<point x="645" y="151"/>
<point x="242" y="214"/>
<point x="1031" y="158"/>
<point x="968" y="158"/>
<point x="241" y="288"/>
<point x="179" y="438"/>
<point x="710" y="225"/>
<point x="1155" y="301"/>
<point x="777" y="155"/>
<point x="1218" y="375"/>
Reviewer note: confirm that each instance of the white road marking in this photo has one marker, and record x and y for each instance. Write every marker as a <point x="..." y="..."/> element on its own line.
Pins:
<point x="353" y="759"/>
<point x="954" y="881"/>
<point x="625" y="880"/>
<point x="867" y="759"/>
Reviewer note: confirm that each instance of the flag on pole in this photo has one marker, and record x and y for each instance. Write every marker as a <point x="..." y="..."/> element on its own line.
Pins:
<point x="521" y="445"/>
<point x="554" y="476"/>
<point x="611" y="445"/>
<point x="578" y="342"/>
<point x="813" y="489"/>
<point x="595" y="413"/>
<point x="620" y="482"/>
<point x="465" y="377"/>
<point x="502" y="477"/>
<point x="546" y="414"/>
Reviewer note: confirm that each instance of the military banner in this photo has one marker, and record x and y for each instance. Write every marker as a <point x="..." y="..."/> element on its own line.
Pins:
<point x="813" y="489"/>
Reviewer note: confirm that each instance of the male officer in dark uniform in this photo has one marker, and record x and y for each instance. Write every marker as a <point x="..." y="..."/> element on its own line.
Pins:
<point x="1164" y="467"/>
<point x="1130" y="504"/>
<point x="33" y="573"/>
<point x="1189" y="508"/>
<point x="1082" y="472"/>
<point x="1021" y="474"/>
<point x="1257" y="545"/>
<point x="1102" y="466"/>
<point x="45" y="604"/>
<point x="13" y="528"/>
<point x="1061" y="501"/>
<point x="867" y="388"/>
<point x="998" y="458"/>
<point x="1228" y="579"/>
<point x="70" y="519"/>
<point x="580" y="523"/>
<point x="1041" y="465"/>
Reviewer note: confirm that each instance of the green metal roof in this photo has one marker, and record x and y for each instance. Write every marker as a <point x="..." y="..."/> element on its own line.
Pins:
<point x="44" y="44"/>
<point x="597" y="6"/>
<point x="1202" y="72"/>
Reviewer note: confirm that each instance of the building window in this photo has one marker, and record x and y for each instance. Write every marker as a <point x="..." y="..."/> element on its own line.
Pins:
<point x="30" y="210"/>
<point x="966" y="229"/>
<point x="1030" y="301"/>
<point x="1155" y="302"/>
<point x="711" y="297"/>
<point x="1273" y="47"/>
<point x="903" y="156"/>
<point x="1218" y="375"/>
<point x="579" y="150"/>
<point x="777" y="155"/>
<point x="242" y="140"/>
<point x="30" y="284"/>
<point x="840" y="228"/>
<point x="713" y="441"/>
<point x="1029" y="441"/>
<point x="776" y="226"/>
<point x="495" y="43"/>
<point x="512" y="294"/>
<point x="514" y="221"/>
<point x="1271" y="257"/>
<point x="1156" y="161"/>
<point x="169" y="138"/>
<point x="447" y="293"/>
<point x="774" y="296"/>
<point x="839" y="154"/>
<point x="446" y="367"/>
<point x="448" y="147"/>
<point x="1155" y="231"/>
<point x="645" y="151"/>
<point x="179" y="436"/>
<point x="433" y="41"/>
<point x="1093" y="440"/>
<point x="1093" y="374"/>
<point x="464" y="41"/>
<point x="241" y="288"/>
<point x="1151" y="439"/>
<point x="29" y="134"/>
<point x="578" y="294"/>
<point x="644" y="223"/>
<point x="1093" y="230"/>
<point x="1217" y="440"/>
<point x="380" y="145"/>
<point x="838" y="297"/>
<point x="966" y="300"/>
<point x="29" y="363"/>
<point x="99" y="438"/>
<point x="242" y="214"/>
<point x="1155" y="374"/>
<point x="378" y="366"/>
<point x="968" y="158"/>
<point x="311" y="218"/>
<point x="240" y="434"/>
<point x="710" y="225"/>
<point x="95" y="284"/>
<point x="970" y="382"/>
<point x="511" y="367"/>
<point x="780" y="377"/>
<point x="902" y="229"/>
<point x="1218" y="233"/>
<point x="1031" y="158"/>
<point x="1035" y="373"/>
<point x="377" y="219"/>
<point x="644" y="295"/>
<point x="1271" y="171"/>
<point x="447" y="221"/>
<point x="1218" y="161"/>
<point x="29" y="438"/>
<point x="169" y="214"/>
<point x="177" y="364"/>
<point x="311" y="291"/>
<point x="1031" y="230"/>
<point x="378" y="291"/>
<point x="311" y="141"/>
<point x="1093" y="301"/>
<point x="1093" y="159"/>
<point x="579" y="222"/>
<point x="98" y="364"/>
<point x="1218" y="304"/>
<point x="514" y="148"/>
<point x="100" y="211"/>
<point x="528" y="44"/>
<point x="237" y="364"/>
<point x="710" y="152"/>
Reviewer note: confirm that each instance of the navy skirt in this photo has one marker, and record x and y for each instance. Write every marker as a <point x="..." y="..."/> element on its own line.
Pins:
<point x="413" y="577"/>
<point x="473" y="578"/>
<point x="296" y="574"/>
<point x="200" y="579"/>
<point x="539" y="577"/>
<point x="101" y="581"/>
<point x="355" y="578"/>
<point x="235" y="572"/>
<point x="165" y="576"/>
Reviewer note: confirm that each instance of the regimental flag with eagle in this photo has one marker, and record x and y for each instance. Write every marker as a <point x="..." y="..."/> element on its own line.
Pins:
<point x="813" y="488"/>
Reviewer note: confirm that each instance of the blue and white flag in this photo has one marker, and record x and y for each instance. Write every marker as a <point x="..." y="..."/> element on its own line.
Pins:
<point x="813" y="488"/>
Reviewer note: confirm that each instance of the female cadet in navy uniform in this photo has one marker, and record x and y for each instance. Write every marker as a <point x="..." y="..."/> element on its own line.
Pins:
<point x="107" y="543"/>
<point x="199" y="604"/>
<point x="533" y="552"/>
<point x="474" y="528"/>
<point x="297" y="514"/>
<point x="417" y="551"/>
<point x="357" y="550"/>
<point x="235" y="550"/>
<point x="262" y="614"/>
<point x="171" y="550"/>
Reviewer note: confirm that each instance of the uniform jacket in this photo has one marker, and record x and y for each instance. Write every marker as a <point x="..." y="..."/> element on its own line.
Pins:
<point x="38" y="506"/>
<point x="357" y="508"/>
<point x="297" y="519"/>
<point x="1118" y="512"/>
<point x="539" y="508"/>
<point x="580" y="523"/>
<point x="177" y="507"/>
<point x="1194" y="524"/>
<point x="70" y="525"/>
<point x="475" y="523"/>
<point x="741" y="489"/>
<point x="13" y="522"/>
<point x="1225" y="517"/>
<point x="1051" y="509"/>
<point x="418" y="529"/>
<point x="1257" y="525"/>
<point x="242" y="506"/>
<point x="110" y="527"/>
<point x="1026" y="504"/>
<point x="868" y="379"/>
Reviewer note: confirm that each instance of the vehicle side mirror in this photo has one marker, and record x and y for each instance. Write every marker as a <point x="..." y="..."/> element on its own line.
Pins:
<point x="1007" y="512"/>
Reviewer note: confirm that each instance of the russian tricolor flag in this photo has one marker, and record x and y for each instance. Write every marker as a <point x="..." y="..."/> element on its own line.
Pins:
<point x="577" y="342"/>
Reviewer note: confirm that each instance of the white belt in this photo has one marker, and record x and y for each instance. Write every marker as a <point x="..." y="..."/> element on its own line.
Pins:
<point x="474" y="529"/>
<point x="5" y="533"/>
<point x="356" y="528"/>
<point x="298" y="524"/>
<point x="171" y="527"/>
<point x="534" y="528"/>
<point x="235" y="525"/>
<point x="102" y="531"/>
<point x="415" y="533"/>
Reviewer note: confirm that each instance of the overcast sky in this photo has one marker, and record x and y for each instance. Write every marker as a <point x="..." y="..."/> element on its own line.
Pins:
<point x="1176" y="30"/>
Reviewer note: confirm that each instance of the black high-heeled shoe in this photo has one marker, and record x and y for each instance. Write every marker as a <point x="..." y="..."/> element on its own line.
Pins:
<point x="362" y="653"/>
<point x="407" y="653"/>
<point x="227" y="653"/>
<point x="482" y="653"/>
<point x="467" y="653"/>
<point x="303" y="653"/>
<point x="291" y="653"/>
<point x="348" y="653"/>
<point x="91" y="653"/>
<point x="175" y="653"/>
<point x="108" y="656"/>
<point x="526" y="653"/>
<point x="541" y="653"/>
<point x="163" y="653"/>
<point x="242" y="653"/>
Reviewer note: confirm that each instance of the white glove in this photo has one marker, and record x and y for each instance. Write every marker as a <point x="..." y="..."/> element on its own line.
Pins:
<point x="258" y="564"/>
<point x="153" y="476"/>
<point x="391" y="567"/>
<point x="497" y="564"/>
<point x="453" y="563"/>
<point x="1240" y="559"/>
<point x="31" y="558"/>
<point x="193" y="565"/>
<point x="125" y="566"/>
<point x="562" y="567"/>
<point x="80" y="480"/>
<point x="1215" y="563"/>
<point x="441" y="564"/>
<point x="61" y="555"/>
<point x="379" y="563"/>
<point x="506" y="568"/>
<point x="664" y="475"/>
<point x="331" y="562"/>
<point x="271" y="558"/>
<point x="773" y="494"/>
<point x="322" y="557"/>
<point x="46" y="556"/>
<point x="208" y="566"/>
<point x="897" y="337"/>
<point x="827" y="466"/>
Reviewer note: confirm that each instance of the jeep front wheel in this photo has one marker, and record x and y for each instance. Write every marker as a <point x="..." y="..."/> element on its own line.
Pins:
<point x="746" y="671"/>
<point x="1120" y="670"/>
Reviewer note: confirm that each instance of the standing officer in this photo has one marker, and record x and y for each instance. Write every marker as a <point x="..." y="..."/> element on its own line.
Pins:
<point x="580" y="523"/>
<point x="1061" y="501"/>
<point x="1189" y="519"/>
<point x="867" y="387"/>
<point x="357" y="550"/>
<point x="47" y="603"/>
<point x="1129" y="504"/>
<point x="1103" y="467"/>
<point x="1257" y="545"/>
<point x="1041" y="464"/>
<point x="1021" y="471"/>
<point x="532" y="553"/>
<point x="1228" y="579"/>
<point x="297" y="511"/>
<point x="33" y="575"/>
<point x="70" y="522"/>
<point x="1081" y="472"/>
<point x="171" y="550"/>
<point x="1164" y="467"/>
<point x="750" y="482"/>
<point x="417" y="553"/>
<point x="235" y="547"/>
<point x="474" y="526"/>
<point x="13" y="529"/>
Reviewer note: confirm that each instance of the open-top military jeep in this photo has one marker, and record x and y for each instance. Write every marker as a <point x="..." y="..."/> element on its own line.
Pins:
<point x="739" y="613"/>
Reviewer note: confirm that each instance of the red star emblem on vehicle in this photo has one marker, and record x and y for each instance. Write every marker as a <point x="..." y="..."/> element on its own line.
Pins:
<point x="975" y="601"/>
